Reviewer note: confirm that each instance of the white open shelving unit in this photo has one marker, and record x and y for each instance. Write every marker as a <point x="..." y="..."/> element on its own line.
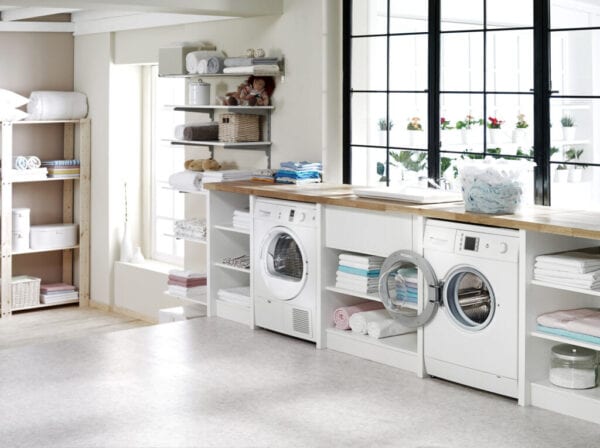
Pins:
<point x="75" y="209"/>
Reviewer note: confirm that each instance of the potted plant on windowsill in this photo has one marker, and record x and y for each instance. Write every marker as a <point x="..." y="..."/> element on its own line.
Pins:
<point x="384" y="127"/>
<point x="520" y="131"/>
<point x="568" y="127"/>
<point x="561" y="174"/>
<point x="466" y="128"/>
<point x="415" y="131"/>
<point x="494" y="127"/>
<point x="575" y="171"/>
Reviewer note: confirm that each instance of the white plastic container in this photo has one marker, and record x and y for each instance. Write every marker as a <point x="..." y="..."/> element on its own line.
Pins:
<point x="20" y="241"/>
<point x="53" y="236"/>
<point x="199" y="93"/>
<point x="21" y="220"/>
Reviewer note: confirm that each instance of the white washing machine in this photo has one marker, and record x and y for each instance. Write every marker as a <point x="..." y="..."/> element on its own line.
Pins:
<point x="471" y="274"/>
<point x="284" y="266"/>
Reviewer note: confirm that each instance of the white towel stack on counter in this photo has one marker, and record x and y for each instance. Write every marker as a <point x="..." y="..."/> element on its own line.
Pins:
<point x="575" y="269"/>
<point x="191" y="229"/>
<point x="359" y="273"/>
<point x="241" y="219"/>
<point x="237" y="296"/>
<point x="187" y="284"/>
<point x="226" y="175"/>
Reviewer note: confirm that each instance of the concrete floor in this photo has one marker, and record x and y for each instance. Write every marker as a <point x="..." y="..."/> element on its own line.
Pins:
<point x="210" y="382"/>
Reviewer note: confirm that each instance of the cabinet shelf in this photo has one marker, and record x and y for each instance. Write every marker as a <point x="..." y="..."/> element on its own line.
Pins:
<point x="232" y="268"/>
<point x="261" y="146"/>
<point x="39" y="251"/>
<point x="23" y="122"/>
<point x="349" y="292"/>
<point x="232" y="229"/>
<point x="405" y="343"/>
<point x="47" y="305"/>
<point x="24" y="180"/>
<point x="589" y="292"/>
<point x="583" y="404"/>
<point x="254" y="110"/>
<point x="196" y="300"/>
<point x="565" y="340"/>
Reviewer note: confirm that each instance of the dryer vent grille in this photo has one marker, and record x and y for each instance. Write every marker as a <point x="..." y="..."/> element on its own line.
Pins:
<point x="301" y="321"/>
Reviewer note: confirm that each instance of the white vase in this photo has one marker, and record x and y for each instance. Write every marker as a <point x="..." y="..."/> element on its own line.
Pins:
<point x="466" y="136"/>
<point x="495" y="136"/>
<point x="138" y="256"/>
<point x="569" y="133"/>
<point x="519" y="135"/>
<point x="575" y="174"/>
<point x="126" y="245"/>
<point x="561" y="175"/>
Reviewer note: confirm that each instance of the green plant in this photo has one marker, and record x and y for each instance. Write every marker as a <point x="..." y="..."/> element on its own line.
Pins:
<point x="494" y="151"/>
<point x="567" y="121"/>
<point x="561" y="167"/>
<point x="494" y="123"/>
<point x="406" y="158"/>
<point x="414" y="124"/>
<point x="445" y="124"/>
<point x="553" y="150"/>
<point x="469" y="122"/>
<point x="521" y="123"/>
<point x="383" y="124"/>
<point x="573" y="154"/>
<point x="445" y="163"/>
<point x="381" y="171"/>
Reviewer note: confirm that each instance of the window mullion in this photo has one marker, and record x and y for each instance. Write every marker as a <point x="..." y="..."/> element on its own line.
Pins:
<point x="433" y="84"/>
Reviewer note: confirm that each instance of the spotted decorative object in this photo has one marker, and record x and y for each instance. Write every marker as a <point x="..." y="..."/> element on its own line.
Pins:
<point x="250" y="53"/>
<point x="259" y="53"/>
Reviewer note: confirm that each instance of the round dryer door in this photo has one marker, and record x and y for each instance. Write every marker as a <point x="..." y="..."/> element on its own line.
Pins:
<point x="469" y="298"/>
<point x="284" y="266"/>
<point x="398" y="288"/>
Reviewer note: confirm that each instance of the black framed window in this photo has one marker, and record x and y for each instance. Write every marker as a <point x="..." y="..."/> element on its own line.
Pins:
<point x="427" y="83"/>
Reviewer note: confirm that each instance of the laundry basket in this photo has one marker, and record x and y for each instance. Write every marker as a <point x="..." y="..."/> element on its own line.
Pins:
<point x="25" y="291"/>
<point x="239" y="128"/>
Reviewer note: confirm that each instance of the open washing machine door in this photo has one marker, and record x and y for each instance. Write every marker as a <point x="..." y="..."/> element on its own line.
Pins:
<point x="398" y="282"/>
<point x="284" y="266"/>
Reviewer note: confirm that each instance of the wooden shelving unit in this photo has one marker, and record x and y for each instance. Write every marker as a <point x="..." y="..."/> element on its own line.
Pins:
<point x="75" y="209"/>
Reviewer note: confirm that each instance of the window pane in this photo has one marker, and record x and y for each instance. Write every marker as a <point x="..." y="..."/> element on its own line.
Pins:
<point x="515" y="117"/>
<point x="462" y="14"/>
<point x="408" y="17"/>
<point x="465" y="114"/>
<point x="369" y="119"/>
<point x="409" y="112"/>
<point x="408" y="62"/>
<point x="164" y="244"/>
<point x="369" y="59"/>
<point x="510" y="61"/>
<point x="564" y="15"/>
<point x="574" y="62"/>
<point x="575" y="188"/>
<point x="509" y="13"/>
<point x="368" y="166"/>
<point x="407" y="166"/>
<point x="462" y="62"/>
<point x="580" y="131"/>
<point x="369" y="17"/>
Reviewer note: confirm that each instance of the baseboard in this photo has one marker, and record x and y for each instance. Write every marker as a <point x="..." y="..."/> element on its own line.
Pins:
<point x="98" y="305"/>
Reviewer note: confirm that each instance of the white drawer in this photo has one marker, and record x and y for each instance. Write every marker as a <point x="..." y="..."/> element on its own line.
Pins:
<point x="368" y="232"/>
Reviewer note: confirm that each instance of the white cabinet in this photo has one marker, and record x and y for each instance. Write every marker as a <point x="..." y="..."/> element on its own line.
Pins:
<point x="73" y="206"/>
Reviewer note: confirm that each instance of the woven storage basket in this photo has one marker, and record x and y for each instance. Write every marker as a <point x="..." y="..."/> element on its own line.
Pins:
<point x="239" y="128"/>
<point x="25" y="291"/>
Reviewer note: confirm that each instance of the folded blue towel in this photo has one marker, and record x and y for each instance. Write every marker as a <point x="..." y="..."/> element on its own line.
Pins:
<point x="569" y="334"/>
<point x="361" y="272"/>
<point x="407" y="299"/>
<point x="298" y="174"/>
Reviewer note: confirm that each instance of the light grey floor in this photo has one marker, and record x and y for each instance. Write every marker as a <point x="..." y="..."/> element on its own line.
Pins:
<point x="55" y="324"/>
<point x="209" y="382"/>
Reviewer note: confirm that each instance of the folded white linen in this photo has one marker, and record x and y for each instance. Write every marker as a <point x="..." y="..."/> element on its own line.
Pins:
<point x="365" y="266"/>
<point x="193" y="58"/>
<point x="54" y="105"/>
<point x="565" y="268"/>
<point x="354" y="258"/>
<point x="11" y="100"/>
<point x="239" y="295"/>
<point x="593" y="275"/>
<point x="580" y="320"/>
<point x="182" y="291"/>
<point x="357" y="277"/>
<point x="386" y="328"/>
<point x="585" y="284"/>
<point x="12" y="115"/>
<point x="186" y="274"/>
<point x="358" y="282"/>
<point x="359" y="321"/>
<point x="252" y="69"/>
<point x="572" y="258"/>
<point x="186" y="180"/>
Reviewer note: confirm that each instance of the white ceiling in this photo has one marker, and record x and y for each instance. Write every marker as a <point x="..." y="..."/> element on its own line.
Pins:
<point x="93" y="16"/>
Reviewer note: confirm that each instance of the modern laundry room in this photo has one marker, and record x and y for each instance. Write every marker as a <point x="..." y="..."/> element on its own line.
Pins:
<point x="300" y="223"/>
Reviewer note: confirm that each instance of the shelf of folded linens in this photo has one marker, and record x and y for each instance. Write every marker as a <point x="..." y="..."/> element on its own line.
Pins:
<point x="362" y="295"/>
<point x="261" y="146"/>
<point x="201" y="300"/>
<point x="565" y="340"/>
<point x="232" y="229"/>
<point x="24" y="179"/>
<point x="231" y="267"/>
<point x="38" y="251"/>
<point x="188" y="239"/>
<point x="590" y="292"/>
<point x="46" y="305"/>
<point x="252" y="110"/>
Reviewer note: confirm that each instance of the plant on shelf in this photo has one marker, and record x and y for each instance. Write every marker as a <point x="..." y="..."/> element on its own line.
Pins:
<point x="415" y="132"/>
<point x="575" y="171"/>
<point x="466" y="126"/>
<point x="520" y="131"/>
<point x="445" y="124"/>
<point x="521" y="123"/>
<point x="568" y="127"/>
<point x="414" y="124"/>
<point x="384" y="125"/>
<point x="494" y="126"/>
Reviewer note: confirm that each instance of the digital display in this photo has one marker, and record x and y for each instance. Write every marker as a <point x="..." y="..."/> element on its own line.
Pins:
<point x="292" y="212"/>
<point x="470" y="243"/>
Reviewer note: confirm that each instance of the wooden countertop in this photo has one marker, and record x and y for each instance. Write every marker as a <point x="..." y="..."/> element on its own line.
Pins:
<point x="575" y="223"/>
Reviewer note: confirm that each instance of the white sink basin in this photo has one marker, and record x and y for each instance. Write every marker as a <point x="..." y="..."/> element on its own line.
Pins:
<point x="419" y="195"/>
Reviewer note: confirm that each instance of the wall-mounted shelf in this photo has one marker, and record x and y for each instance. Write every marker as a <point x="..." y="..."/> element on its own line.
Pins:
<point x="565" y="340"/>
<point x="260" y="146"/>
<point x="24" y="180"/>
<point x="590" y="292"/>
<point x="252" y="110"/>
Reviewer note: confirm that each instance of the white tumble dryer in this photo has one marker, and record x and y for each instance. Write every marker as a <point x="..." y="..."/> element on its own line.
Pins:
<point x="469" y="310"/>
<point x="285" y="266"/>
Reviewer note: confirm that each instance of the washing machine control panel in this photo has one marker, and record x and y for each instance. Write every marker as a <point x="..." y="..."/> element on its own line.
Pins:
<point x="484" y="245"/>
<point x="286" y="214"/>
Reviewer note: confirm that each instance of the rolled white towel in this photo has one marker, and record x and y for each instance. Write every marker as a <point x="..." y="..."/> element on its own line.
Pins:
<point x="186" y="180"/>
<point x="192" y="59"/>
<point x="54" y="105"/>
<point x="359" y="321"/>
<point x="386" y="328"/>
<point x="33" y="162"/>
<point x="20" y="163"/>
<point x="202" y="67"/>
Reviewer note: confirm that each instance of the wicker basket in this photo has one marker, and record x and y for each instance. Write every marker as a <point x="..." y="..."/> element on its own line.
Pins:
<point x="239" y="128"/>
<point x="25" y="291"/>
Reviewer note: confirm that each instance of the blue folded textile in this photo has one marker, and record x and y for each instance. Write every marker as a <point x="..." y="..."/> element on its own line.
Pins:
<point x="569" y="334"/>
<point x="361" y="272"/>
<point x="402" y="292"/>
<point x="408" y="299"/>
<point x="298" y="174"/>
<point x="302" y="166"/>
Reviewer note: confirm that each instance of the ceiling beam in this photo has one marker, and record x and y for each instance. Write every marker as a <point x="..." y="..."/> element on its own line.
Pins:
<point x="15" y="14"/>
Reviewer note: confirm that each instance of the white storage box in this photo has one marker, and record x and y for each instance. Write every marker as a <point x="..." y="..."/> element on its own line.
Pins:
<point x="20" y="220"/>
<point x="53" y="236"/>
<point x="171" y="60"/>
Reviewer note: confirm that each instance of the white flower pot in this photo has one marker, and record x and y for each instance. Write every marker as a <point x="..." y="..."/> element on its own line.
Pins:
<point x="495" y="136"/>
<point x="575" y="174"/>
<point x="519" y="135"/>
<point x="569" y="133"/>
<point x="561" y="175"/>
<point x="382" y="138"/>
<point x="466" y="136"/>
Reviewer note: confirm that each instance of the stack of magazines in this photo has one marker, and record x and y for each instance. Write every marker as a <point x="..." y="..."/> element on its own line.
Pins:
<point x="63" y="169"/>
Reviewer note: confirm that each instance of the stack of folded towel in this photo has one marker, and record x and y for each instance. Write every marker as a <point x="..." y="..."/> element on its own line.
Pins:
<point x="241" y="219"/>
<point x="186" y="180"/>
<point x="341" y="316"/>
<point x="377" y="324"/>
<point x="194" y="228"/>
<point x="237" y="296"/>
<point x="359" y="273"/>
<point x="582" y="324"/>
<point x="576" y="269"/>
<point x="187" y="284"/>
<point x="407" y="288"/>
<point x="299" y="173"/>
<point x="57" y="293"/>
<point x="264" y="175"/>
<point x="28" y="168"/>
<point x="208" y="131"/>
<point x="226" y="175"/>
<point x="257" y="66"/>
<point x="204" y="61"/>
<point x="63" y="169"/>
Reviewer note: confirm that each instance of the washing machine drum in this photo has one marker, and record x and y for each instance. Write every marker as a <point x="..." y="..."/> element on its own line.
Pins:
<point x="469" y="298"/>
